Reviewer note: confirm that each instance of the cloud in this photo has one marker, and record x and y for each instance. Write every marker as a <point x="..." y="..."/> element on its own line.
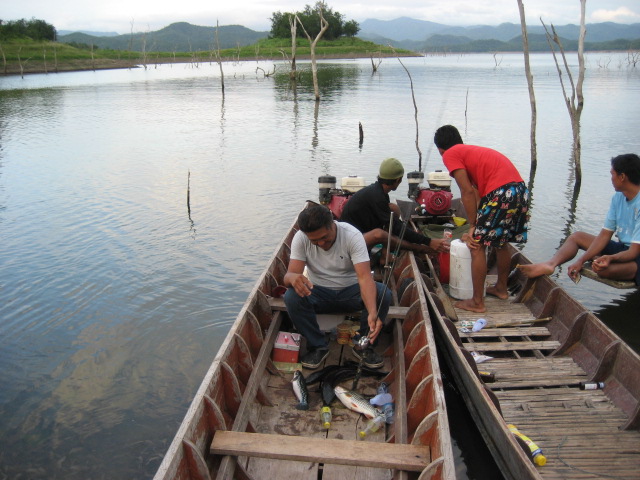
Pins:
<point x="619" y="15"/>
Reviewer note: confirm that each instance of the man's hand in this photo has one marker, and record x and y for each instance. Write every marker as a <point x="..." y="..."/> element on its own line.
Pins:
<point x="601" y="263"/>
<point x="574" y="269"/>
<point x="375" y="326"/>
<point x="440" y="245"/>
<point x="470" y="241"/>
<point x="302" y="285"/>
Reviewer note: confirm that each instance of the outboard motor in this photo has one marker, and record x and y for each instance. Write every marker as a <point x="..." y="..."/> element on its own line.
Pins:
<point x="435" y="200"/>
<point x="335" y="198"/>
<point x="326" y="184"/>
<point x="414" y="179"/>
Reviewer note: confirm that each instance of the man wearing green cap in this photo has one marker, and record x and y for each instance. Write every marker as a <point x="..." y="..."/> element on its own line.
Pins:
<point x="369" y="211"/>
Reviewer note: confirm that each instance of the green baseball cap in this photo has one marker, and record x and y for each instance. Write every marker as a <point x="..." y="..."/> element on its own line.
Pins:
<point x="390" y="169"/>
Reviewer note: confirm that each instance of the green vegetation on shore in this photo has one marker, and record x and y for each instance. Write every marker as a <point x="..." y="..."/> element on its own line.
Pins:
<point x="29" y="56"/>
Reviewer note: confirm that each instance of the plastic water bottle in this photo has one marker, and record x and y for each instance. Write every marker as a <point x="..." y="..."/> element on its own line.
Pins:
<point x="479" y="324"/>
<point x="536" y="452"/>
<point x="387" y="407"/>
<point x="591" y="385"/>
<point x="372" y="426"/>
<point x="325" y="417"/>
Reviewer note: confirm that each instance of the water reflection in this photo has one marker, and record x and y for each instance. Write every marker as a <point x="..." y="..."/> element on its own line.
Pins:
<point x="333" y="80"/>
<point x="618" y="314"/>
<point x="572" y="195"/>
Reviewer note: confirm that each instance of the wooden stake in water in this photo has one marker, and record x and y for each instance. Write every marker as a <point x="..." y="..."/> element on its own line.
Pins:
<point x="189" y="193"/>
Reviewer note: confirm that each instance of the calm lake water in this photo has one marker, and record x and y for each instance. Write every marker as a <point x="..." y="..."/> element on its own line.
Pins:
<point x="114" y="300"/>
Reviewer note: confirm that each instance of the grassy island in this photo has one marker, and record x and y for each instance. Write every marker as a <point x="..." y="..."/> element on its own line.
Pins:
<point x="29" y="56"/>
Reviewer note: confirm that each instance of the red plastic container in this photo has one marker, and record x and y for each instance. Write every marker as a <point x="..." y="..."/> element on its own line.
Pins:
<point x="443" y="261"/>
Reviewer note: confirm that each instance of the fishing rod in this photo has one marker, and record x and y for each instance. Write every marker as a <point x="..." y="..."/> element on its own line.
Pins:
<point x="363" y="342"/>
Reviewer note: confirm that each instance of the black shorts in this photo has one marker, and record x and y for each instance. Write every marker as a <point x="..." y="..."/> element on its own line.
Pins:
<point x="614" y="247"/>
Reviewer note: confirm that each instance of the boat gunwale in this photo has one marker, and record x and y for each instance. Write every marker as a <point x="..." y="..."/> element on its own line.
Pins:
<point x="546" y="299"/>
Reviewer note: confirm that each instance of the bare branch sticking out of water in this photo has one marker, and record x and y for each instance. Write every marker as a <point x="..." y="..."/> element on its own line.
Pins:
<point x="466" y="108"/>
<point x="192" y="225"/>
<point x="219" y="57"/>
<point x="374" y="65"/>
<point x="415" y="107"/>
<point x="189" y="193"/>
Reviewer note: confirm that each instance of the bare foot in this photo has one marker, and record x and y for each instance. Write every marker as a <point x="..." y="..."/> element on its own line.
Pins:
<point x="493" y="291"/>
<point x="470" y="305"/>
<point x="535" y="270"/>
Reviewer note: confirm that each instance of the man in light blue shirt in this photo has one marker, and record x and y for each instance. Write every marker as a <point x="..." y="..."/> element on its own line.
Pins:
<point x="615" y="260"/>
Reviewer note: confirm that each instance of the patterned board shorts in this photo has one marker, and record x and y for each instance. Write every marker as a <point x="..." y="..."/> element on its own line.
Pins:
<point x="503" y="216"/>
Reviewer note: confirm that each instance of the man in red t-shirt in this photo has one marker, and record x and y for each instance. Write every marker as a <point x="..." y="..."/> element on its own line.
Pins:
<point x="491" y="187"/>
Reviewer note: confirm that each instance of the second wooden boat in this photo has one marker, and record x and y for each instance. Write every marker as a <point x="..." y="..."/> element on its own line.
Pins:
<point x="544" y="346"/>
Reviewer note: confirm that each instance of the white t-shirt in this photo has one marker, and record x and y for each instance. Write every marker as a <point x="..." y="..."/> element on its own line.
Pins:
<point x="332" y="268"/>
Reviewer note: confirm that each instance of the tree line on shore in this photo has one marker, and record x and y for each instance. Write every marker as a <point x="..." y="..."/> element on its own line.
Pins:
<point x="34" y="29"/>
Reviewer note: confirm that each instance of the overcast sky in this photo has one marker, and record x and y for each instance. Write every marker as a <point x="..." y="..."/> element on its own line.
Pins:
<point x="149" y="15"/>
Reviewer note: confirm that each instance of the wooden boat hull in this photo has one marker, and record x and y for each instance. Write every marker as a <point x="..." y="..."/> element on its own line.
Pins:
<point x="242" y="422"/>
<point x="544" y="343"/>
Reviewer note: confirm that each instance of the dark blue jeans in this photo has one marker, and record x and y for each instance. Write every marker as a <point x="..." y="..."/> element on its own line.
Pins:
<point x="302" y="310"/>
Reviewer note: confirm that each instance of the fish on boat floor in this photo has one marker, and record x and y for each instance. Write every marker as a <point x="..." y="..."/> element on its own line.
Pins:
<point x="345" y="424"/>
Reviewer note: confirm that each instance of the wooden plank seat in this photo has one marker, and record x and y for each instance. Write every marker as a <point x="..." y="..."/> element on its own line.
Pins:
<point x="507" y="332"/>
<point x="588" y="272"/>
<point x="394" y="312"/>
<point x="396" y="456"/>
<point x="511" y="346"/>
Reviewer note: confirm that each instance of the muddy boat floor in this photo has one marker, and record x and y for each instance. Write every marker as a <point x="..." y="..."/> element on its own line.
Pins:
<point x="578" y="431"/>
<point x="305" y="424"/>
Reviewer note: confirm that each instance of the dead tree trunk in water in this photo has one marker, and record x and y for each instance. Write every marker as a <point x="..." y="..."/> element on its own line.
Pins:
<point x="44" y="58"/>
<point x="189" y="193"/>
<point x="4" y="61"/>
<point x="219" y="57"/>
<point x="374" y="66"/>
<point x="293" y="24"/>
<point x="532" y="96"/>
<point x="575" y="102"/>
<point x="415" y="109"/>
<point x="324" y="25"/>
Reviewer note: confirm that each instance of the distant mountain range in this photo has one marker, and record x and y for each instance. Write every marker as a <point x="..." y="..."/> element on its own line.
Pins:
<point x="88" y="32"/>
<point x="408" y="33"/>
<point x="177" y="37"/>
<point x="421" y="35"/>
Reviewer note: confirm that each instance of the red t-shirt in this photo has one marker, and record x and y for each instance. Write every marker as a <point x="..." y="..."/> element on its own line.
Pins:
<point x="487" y="169"/>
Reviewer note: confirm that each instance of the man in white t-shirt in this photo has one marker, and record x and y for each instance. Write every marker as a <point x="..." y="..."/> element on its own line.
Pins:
<point x="338" y="280"/>
<point x="616" y="260"/>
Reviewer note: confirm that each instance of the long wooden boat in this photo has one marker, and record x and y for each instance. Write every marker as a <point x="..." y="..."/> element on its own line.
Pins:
<point x="544" y="343"/>
<point x="243" y="422"/>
